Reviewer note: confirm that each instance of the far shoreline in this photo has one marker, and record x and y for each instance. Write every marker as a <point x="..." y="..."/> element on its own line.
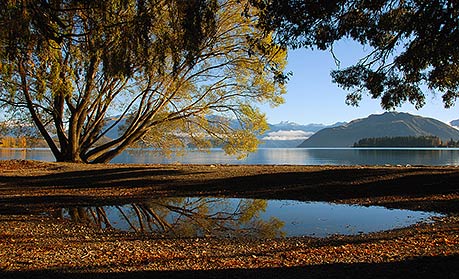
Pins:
<point x="316" y="156"/>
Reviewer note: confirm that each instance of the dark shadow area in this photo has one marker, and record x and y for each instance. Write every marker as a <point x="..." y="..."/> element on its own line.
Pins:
<point x="426" y="267"/>
<point x="344" y="184"/>
<point x="450" y="206"/>
<point x="126" y="177"/>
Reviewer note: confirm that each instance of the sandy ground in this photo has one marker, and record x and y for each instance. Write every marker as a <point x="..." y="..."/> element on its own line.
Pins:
<point x="32" y="245"/>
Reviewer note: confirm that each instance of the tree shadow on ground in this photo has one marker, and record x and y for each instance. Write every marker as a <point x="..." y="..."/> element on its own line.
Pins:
<point x="126" y="177"/>
<point x="424" y="267"/>
<point x="344" y="184"/>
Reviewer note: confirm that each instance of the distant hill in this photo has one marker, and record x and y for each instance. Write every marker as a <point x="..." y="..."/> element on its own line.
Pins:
<point x="389" y="124"/>
<point x="288" y="126"/>
<point x="288" y="134"/>
<point x="455" y="123"/>
<point x="285" y="134"/>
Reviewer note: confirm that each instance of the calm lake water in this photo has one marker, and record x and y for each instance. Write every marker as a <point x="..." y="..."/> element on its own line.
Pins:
<point x="276" y="156"/>
<point x="220" y="217"/>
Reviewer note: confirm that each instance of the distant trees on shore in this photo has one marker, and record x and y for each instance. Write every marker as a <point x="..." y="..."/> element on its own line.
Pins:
<point x="12" y="142"/>
<point x="21" y="142"/>
<point x="409" y="141"/>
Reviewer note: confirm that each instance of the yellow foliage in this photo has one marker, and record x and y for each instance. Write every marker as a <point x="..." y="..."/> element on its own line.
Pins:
<point x="232" y="75"/>
<point x="177" y="92"/>
<point x="11" y="142"/>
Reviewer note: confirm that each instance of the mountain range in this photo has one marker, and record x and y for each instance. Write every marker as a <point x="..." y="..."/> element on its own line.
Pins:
<point x="389" y="124"/>
<point x="285" y="134"/>
<point x="289" y="134"/>
<point x="455" y="123"/>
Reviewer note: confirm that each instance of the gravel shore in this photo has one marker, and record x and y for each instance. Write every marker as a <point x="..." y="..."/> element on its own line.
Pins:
<point x="33" y="245"/>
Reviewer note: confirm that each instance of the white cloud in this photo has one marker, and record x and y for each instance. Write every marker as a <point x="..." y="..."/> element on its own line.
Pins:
<point x="288" y="135"/>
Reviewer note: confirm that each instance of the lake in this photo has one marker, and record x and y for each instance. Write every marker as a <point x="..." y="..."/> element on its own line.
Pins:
<point x="275" y="156"/>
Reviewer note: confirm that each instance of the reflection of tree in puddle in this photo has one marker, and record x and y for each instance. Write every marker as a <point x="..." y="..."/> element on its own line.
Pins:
<point x="182" y="217"/>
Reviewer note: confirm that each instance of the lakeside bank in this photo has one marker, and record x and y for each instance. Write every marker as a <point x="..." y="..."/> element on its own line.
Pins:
<point x="33" y="245"/>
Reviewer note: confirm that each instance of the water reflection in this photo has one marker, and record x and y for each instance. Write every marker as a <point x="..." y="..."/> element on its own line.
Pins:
<point x="41" y="154"/>
<point x="182" y="217"/>
<point x="219" y="217"/>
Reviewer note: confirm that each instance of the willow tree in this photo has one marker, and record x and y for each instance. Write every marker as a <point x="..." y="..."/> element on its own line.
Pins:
<point x="166" y="73"/>
<point x="414" y="44"/>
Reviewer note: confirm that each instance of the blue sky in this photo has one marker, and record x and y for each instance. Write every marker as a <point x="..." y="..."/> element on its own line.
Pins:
<point x="312" y="97"/>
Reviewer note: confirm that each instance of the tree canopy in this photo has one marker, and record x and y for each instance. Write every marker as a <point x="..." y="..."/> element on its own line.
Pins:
<point x="414" y="43"/>
<point x="168" y="73"/>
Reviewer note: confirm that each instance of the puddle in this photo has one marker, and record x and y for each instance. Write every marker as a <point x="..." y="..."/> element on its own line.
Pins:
<point x="219" y="217"/>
